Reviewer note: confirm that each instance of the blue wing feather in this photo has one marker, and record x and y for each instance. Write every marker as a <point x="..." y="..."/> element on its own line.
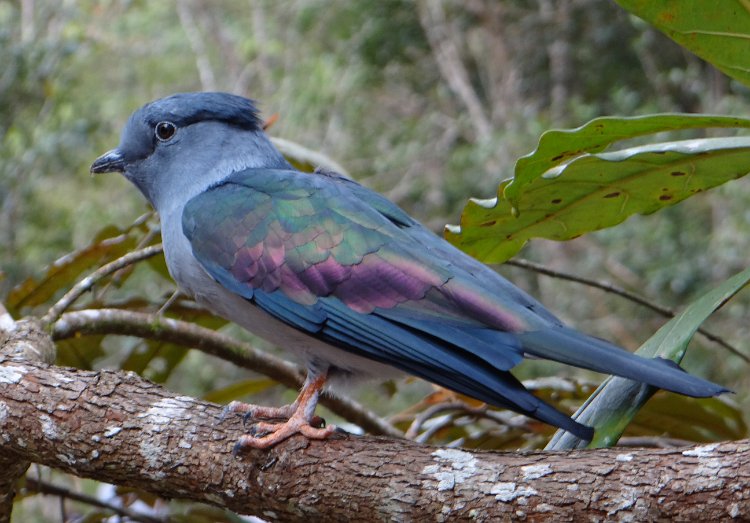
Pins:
<point x="305" y="317"/>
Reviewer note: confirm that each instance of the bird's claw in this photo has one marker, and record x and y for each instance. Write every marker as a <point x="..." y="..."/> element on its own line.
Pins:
<point x="263" y="435"/>
<point x="247" y="417"/>
<point x="254" y="412"/>
<point x="298" y="418"/>
<point x="225" y="412"/>
<point x="260" y="429"/>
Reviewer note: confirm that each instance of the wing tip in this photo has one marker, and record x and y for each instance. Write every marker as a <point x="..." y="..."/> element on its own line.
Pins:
<point x="549" y="414"/>
<point x="580" y="431"/>
<point x="566" y="345"/>
<point x="689" y="384"/>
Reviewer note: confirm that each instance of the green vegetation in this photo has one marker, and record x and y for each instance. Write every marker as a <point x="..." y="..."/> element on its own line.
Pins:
<point x="429" y="103"/>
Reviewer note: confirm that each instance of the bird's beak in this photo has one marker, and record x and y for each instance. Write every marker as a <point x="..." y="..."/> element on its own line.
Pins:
<point x="109" y="162"/>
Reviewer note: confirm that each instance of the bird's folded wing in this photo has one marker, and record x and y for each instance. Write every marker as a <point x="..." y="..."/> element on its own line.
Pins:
<point x="345" y="265"/>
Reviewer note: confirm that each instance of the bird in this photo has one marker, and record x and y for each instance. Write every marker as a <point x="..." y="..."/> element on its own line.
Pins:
<point x="340" y="276"/>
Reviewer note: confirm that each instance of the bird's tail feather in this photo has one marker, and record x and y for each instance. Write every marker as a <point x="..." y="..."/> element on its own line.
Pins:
<point x="581" y="350"/>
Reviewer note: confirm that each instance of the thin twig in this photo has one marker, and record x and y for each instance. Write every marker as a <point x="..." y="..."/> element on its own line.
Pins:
<point x="434" y="410"/>
<point x="503" y="419"/>
<point x="152" y="232"/>
<point x="43" y="487"/>
<point x="438" y="424"/>
<point x="151" y="326"/>
<point x="170" y="301"/>
<point x="85" y="285"/>
<point x="614" y="289"/>
<point x="145" y="240"/>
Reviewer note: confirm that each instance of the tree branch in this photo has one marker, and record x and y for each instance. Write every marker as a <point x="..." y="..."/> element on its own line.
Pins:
<point x="89" y="281"/>
<point x="19" y="341"/>
<point x="119" y="428"/>
<point x="149" y="326"/>
<point x="50" y="489"/>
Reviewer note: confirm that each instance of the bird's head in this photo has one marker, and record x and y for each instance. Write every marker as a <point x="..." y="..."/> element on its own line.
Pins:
<point x="175" y="147"/>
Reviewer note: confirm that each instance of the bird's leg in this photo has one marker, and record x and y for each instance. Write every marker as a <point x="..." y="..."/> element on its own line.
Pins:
<point x="300" y="418"/>
<point x="250" y="412"/>
<point x="254" y="412"/>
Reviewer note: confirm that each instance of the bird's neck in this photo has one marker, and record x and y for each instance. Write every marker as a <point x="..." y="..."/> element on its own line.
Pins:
<point x="256" y="153"/>
<point x="252" y="152"/>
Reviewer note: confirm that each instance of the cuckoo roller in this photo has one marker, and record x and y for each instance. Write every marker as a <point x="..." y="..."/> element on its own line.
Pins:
<point x="339" y="275"/>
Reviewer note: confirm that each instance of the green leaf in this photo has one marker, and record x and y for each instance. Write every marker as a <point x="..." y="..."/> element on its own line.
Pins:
<point x="154" y="359"/>
<point x="558" y="146"/>
<point x="140" y="356"/>
<point x="80" y="352"/>
<point x="109" y="243"/>
<point x="187" y="310"/>
<point x="159" y="265"/>
<point x="690" y="419"/>
<point x="166" y="358"/>
<point x="240" y="389"/>
<point x="64" y="272"/>
<point x="594" y="191"/>
<point x="718" y="33"/>
<point x="617" y="400"/>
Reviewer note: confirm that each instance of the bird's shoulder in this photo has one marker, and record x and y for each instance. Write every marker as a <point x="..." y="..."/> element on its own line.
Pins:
<point x="262" y="225"/>
<point x="253" y="198"/>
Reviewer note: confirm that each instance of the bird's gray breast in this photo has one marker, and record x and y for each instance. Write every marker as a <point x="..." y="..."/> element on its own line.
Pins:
<point x="182" y="264"/>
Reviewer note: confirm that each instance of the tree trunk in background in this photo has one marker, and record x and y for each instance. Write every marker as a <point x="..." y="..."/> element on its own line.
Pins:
<point x="557" y="16"/>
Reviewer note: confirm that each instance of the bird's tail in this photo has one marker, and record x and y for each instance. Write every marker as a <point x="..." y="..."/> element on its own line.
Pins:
<point x="581" y="350"/>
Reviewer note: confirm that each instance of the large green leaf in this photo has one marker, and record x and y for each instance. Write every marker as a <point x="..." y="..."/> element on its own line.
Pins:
<point x="594" y="191"/>
<point x="166" y="358"/>
<point x="154" y="359"/>
<point x="140" y="355"/>
<point x="717" y="32"/>
<point x="617" y="400"/>
<point x="558" y="146"/>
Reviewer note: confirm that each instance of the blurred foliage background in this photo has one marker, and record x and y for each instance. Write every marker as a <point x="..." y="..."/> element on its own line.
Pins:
<point x="429" y="102"/>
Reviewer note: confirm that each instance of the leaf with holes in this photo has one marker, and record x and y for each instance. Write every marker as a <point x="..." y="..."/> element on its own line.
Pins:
<point x="558" y="146"/>
<point x="595" y="191"/>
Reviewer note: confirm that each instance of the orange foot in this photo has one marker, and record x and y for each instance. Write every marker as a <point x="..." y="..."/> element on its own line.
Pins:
<point x="300" y="418"/>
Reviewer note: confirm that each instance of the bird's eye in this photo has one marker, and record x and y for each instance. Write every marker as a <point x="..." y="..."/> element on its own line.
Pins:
<point x="165" y="130"/>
